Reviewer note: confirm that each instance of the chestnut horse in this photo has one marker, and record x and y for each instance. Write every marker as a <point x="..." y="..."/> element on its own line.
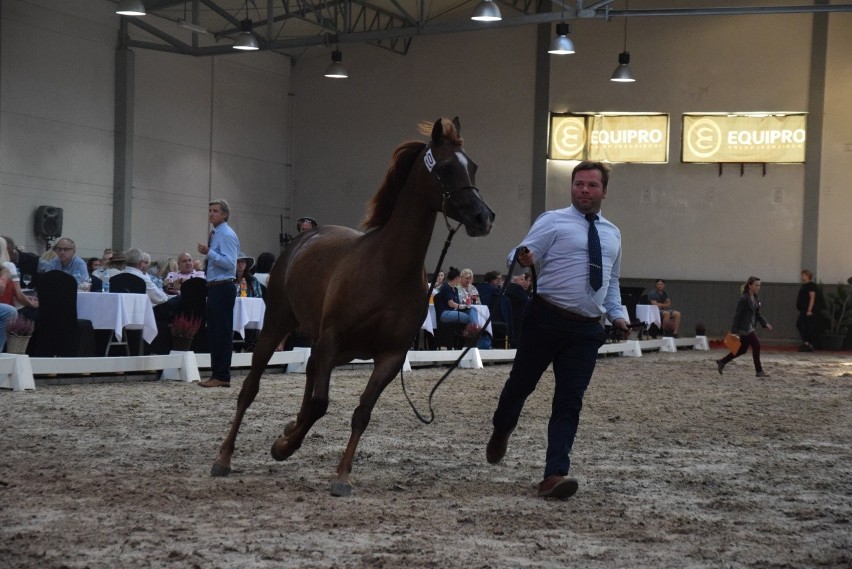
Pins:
<point x="317" y="285"/>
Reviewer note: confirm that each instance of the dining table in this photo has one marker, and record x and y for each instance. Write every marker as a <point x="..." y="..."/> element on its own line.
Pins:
<point x="248" y="313"/>
<point x="118" y="310"/>
<point x="648" y="314"/>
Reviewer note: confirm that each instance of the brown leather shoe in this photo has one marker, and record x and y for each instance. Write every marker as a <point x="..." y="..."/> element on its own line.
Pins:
<point x="557" y="486"/>
<point x="214" y="383"/>
<point x="496" y="448"/>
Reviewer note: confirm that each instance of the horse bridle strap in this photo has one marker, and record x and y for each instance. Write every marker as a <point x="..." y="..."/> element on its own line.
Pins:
<point x="431" y="165"/>
<point x="467" y="349"/>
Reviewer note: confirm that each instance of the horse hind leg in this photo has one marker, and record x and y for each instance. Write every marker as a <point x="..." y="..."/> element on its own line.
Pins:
<point x="314" y="404"/>
<point x="269" y="339"/>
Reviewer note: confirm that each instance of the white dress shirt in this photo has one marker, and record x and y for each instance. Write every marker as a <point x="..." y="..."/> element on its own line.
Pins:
<point x="156" y="295"/>
<point x="559" y="242"/>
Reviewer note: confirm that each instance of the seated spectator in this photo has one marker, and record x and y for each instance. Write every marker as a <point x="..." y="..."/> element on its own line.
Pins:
<point x="105" y="258"/>
<point x="198" y="265"/>
<point x="436" y="286"/>
<point x="137" y="264"/>
<point x="93" y="264"/>
<point x="10" y="284"/>
<point x="448" y="305"/>
<point x="67" y="260"/>
<point x="183" y="272"/>
<point x="660" y="298"/>
<point x="306" y="224"/>
<point x="45" y="260"/>
<point x="467" y="292"/>
<point x="520" y="287"/>
<point x="263" y="267"/>
<point x="247" y="285"/>
<point x="491" y="287"/>
<point x="27" y="263"/>
<point x="117" y="262"/>
<point x="7" y="314"/>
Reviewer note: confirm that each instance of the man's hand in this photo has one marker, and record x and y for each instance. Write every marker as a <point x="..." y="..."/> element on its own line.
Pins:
<point x="622" y="325"/>
<point x="203" y="249"/>
<point x="525" y="257"/>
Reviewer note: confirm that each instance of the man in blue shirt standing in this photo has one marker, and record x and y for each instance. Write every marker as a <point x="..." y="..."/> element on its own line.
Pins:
<point x="221" y="250"/>
<point x="67" y="260"/>
<point x="580" y="256"/>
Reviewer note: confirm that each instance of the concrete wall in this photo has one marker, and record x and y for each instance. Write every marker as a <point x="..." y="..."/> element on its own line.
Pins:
<point x="232" y="126"/>
<point x="347" y="129"/>
<point x="204" y="128"/>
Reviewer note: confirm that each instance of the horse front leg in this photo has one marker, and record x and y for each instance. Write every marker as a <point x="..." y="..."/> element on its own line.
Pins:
<point x="267" y="342"/>
<point x="383" y="373"/>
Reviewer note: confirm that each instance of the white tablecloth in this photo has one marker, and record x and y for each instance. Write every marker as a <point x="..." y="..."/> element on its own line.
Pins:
<point x="429" y="323"/>
<point x="649" y="314"/>
<point x="115" y="311"/>
<point x="248" y="313"/>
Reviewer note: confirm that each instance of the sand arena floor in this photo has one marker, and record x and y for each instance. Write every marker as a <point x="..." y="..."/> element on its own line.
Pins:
<point x="678" y="467"/>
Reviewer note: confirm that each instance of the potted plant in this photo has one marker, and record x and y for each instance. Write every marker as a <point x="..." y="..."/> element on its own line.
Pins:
<point x="19" y="331"/>
<point x="838" y="313"/>
<point x="184" y="328"/>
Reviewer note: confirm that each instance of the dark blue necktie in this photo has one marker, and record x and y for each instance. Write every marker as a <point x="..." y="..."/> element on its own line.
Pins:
<point x="595" y="261"/>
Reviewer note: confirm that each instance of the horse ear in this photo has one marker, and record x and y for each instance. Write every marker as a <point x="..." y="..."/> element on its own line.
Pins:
<point x="437" y="132"/>
<point x="458" y="124"/>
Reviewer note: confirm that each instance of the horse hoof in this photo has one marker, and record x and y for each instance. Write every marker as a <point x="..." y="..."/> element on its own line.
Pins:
<point x="289" y="428"/>
<point x="343" y="489"/>
<point x="282" y="449"/>
<point x="219" y="470"/>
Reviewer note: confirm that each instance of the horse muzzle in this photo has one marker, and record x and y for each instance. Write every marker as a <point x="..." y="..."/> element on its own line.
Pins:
<point x="480" y="222"/>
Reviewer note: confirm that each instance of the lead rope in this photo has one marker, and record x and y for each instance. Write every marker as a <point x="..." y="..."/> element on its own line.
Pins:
<point x="467" y="349"/>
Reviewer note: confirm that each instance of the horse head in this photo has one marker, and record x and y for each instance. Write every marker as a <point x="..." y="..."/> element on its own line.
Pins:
<point x="455" y="173"/>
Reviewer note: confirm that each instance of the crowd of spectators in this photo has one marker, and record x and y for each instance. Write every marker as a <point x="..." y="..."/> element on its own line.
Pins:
<point x="20" y="269"/>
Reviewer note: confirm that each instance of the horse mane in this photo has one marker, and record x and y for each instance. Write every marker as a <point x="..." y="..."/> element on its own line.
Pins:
<point x="382" y="204"/>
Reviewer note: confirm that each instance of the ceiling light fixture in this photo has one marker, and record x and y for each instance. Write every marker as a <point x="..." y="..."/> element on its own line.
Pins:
<point x="245" y="40"/>
<point x="561" y="44"/>
<point x="487" y="11"/>
<point x="335" y="69"/>
<point x="622" y="73"/>
<point x="130" y="8"/>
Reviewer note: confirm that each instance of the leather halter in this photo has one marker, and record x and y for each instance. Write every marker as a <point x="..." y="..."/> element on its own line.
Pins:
<point x="446" y="193"/>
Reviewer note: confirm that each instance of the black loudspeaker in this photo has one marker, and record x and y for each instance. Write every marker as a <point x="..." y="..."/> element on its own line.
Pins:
<point x="48" y="221"/>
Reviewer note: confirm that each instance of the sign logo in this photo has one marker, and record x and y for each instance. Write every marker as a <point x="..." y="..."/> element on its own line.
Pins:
<point x="745" y="137"/>
<point x="568" y="138"/>
<point x="704" y="138"/>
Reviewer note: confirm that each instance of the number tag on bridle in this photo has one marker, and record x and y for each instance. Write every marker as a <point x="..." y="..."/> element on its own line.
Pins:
<point x="429" y="160"/>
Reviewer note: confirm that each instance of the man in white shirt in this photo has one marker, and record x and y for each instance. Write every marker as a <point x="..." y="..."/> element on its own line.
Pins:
<point x="137" y="264"/>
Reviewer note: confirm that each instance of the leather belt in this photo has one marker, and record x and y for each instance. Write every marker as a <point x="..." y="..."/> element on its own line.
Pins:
<point x="566" y="314"/>
<point x="221" y="282"/>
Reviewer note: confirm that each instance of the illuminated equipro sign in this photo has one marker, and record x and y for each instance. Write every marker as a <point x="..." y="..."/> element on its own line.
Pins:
<point x="744" y="138"/>
<point x="610" y="137"/>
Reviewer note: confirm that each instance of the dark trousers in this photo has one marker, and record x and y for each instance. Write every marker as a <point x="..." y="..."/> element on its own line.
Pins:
<point x="747" y="340"/>
<point x="572" y="348"/>
<point x="810" y="328"/>
<point x="220" y="329"/>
